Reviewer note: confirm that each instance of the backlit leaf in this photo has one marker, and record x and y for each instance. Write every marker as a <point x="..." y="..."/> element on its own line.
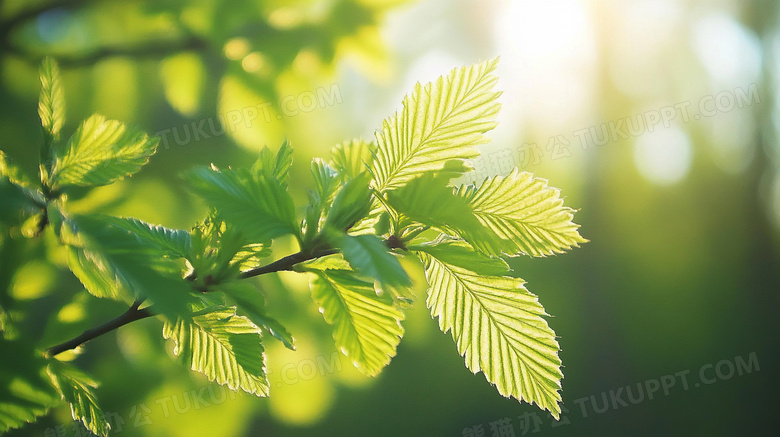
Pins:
<point x="430" y="201"/>
<point x="497" y="325"/>
<point x="366" y="329"/>
<point x="258" y="206"/>
<point x="353" y="157"/>
<point x="223" y="346"/>
<point x="78" y="389"/>
<point x="100" y="152"/>
<point x="51" y="103"/>
<point x="440" y="122"/>
<point x="527" y="215"/>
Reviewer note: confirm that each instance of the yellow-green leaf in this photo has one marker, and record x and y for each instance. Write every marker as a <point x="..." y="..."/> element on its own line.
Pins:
<point x="440" y="122"/>
<point x="78" y="389"/>
<point x="430" y="201"/>
<point x="367" y="328"/>
<point x="51" y="103"/>
<point x="527" y="215"/>
<point x="353" y="157"/>
<point x="100" y="152"/>
<point x="497" y="324"/>
<point x="223" y="346"/>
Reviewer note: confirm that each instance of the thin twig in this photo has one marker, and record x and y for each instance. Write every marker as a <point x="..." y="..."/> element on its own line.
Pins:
<point x="25" y="15"/>
<point x="154" y="50"/>
<point x="157" y="50"/>
<point x="286" y="263"/>
<point x="131" y="315"/>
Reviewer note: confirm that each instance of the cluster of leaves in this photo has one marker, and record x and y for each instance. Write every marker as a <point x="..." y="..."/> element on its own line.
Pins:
<point x="373" y="205"/>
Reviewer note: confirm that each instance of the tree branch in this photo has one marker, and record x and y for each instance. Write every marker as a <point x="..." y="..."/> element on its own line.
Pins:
<point x="289" y="261"/>
<point x="9" y="24"/>
<point x="159" y="49"/>
<point x="132" y="314"/>
<point x="154" y="50"/>
<point x="286" y="263"/>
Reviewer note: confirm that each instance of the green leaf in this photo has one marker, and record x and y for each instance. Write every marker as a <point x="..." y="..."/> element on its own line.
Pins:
<point x="251" y="256"/>
<point x="497" y="324"/>
<point x="352" y="158"/>
<point x="17" y="203"/>
<point x="460" y="253"/>
<point x="223" y="346"/>
<point x="327" y="181"/>
<point x="440" y="122"/>
<point x="525" y="213"/>
<point x="429" y="200"/>
<point x="275" y="166"/>
<point x="112" y="263"/>
<point x="352" y="203"/>
<point x="174" y="243"/>
<point x="219" y="253"/>
<point x="13" y="173"/>
<point x="97" y="273"/>
<point x="77" y="389"/>
<point x="25" y="393"/>
<point x="382" y="225"/>
<point x="284" y="160"/>
<point x="368" y="255"/>
<point x="251" y="302"/>
<point x="19" y="197"/>
<point x="51" y="103"/>
<point x="366" y="329"/>
<point x="100" y="152"/>
<point x="256" y="205"/>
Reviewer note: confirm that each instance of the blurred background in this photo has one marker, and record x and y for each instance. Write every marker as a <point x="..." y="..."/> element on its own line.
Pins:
<point x="658" y="119"/>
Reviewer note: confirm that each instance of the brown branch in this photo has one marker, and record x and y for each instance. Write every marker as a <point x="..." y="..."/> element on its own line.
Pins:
<point x="131" y="315"/>
<point x="157" y="50"/>
<point x="153" y="50"/>
<point x="8" y="25"/>
<point x="286" y="263"/>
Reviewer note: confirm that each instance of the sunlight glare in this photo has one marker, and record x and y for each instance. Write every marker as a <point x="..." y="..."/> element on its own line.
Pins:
<point x="548" y="55"/>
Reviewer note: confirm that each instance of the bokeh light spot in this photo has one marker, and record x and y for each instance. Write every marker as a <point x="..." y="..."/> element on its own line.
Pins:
<point x="33" y="280"/>
<point x="663" y="156"/>
<point x="237" y="48"/>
